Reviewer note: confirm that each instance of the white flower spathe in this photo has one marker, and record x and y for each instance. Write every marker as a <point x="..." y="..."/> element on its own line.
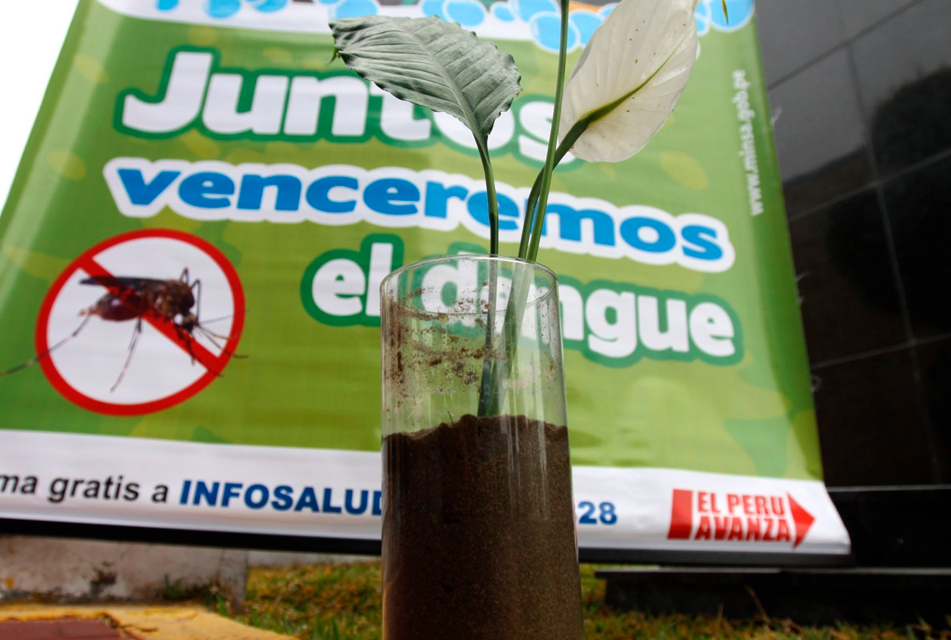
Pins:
<point x="639" y="60"/>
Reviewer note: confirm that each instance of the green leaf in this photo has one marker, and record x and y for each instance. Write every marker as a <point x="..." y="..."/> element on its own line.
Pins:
<point x="438" y="65"/>
<point x="433" y="64"/>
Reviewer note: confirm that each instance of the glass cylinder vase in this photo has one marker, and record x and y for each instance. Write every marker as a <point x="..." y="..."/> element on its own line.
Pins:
<point x="479" y="537"/>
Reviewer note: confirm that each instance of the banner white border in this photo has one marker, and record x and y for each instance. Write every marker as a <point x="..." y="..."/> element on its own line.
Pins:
<point x="641" y="499"/>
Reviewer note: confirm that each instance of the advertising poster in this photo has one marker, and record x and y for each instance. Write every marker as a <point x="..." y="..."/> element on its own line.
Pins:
<point x="191" y="253"/>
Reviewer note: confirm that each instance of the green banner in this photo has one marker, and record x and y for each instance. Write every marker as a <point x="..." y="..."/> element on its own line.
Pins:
<point x="208" y="165"/>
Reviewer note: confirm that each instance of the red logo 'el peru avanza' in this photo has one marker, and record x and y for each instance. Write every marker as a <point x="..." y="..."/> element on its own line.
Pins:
<point x="741" y="517"/>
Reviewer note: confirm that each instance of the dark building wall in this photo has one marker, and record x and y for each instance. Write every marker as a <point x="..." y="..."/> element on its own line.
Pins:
<point x="861" y="99"/>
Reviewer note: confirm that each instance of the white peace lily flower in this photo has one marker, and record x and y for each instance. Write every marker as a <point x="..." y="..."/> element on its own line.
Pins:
<point x="630" y="77"/>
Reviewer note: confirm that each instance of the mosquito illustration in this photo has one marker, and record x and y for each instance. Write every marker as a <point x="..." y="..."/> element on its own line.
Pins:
<point x="131" y="298"/>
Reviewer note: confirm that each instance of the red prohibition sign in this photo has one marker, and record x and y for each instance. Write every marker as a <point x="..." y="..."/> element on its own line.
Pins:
<point x="213" y="364"/>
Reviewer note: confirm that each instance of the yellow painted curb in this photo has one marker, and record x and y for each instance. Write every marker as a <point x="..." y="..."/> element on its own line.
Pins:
<point x="151" y="623"/>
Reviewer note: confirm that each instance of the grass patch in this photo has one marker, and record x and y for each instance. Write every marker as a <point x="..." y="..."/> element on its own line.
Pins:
<point x="342" y="602"/>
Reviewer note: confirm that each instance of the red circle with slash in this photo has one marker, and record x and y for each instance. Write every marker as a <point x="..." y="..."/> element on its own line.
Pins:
<point x="89" y="263"/>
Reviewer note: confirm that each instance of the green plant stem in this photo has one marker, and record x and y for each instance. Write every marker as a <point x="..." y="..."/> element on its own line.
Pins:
<point x="529" y="217"/>
<point x="555" y="120"/>
<point x="488" y="388"/>
<point x="492" y="196"/>
<point x="500" y="370"/>
<point x="533" y="223"/>
<point x="494" y="373"/>
<point x="488" y="391"/>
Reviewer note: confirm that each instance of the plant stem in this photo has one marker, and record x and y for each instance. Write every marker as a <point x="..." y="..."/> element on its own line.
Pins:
<point x="488" y="389"/>
<point x="533" y="224"/>
<point x="496" y="372"/>
<point x="529" y="217"/>
<point x="555" y="120"/>
<point x="493" y="198"/>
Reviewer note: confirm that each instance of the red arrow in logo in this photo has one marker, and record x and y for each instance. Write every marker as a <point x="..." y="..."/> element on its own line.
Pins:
<point x="802" y="518"/>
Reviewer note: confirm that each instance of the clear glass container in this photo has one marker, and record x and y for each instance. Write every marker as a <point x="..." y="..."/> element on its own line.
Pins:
<point x="479" y="537"/>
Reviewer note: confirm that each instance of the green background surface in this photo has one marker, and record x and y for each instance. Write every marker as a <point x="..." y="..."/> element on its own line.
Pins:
<point x="308" y="384"/>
